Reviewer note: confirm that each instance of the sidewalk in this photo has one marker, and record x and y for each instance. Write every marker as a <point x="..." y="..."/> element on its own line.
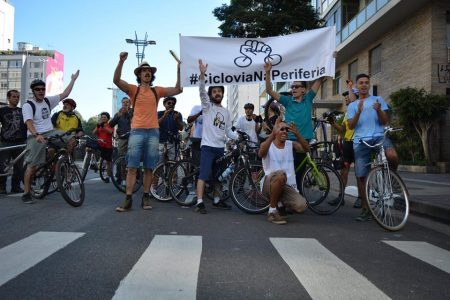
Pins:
<point x="429" y="194"/>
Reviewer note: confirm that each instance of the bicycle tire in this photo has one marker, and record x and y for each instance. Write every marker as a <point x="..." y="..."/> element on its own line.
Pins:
<point x="118" y="176"/>
<point x="322" y="189"/>
<point x="70" y="183"/>
<point x="102" y="170"/>
<point x="392" y="210"/>
<point x="86" y="164"/>
<point x="183" y="182"/>
<point x="245" y="187"/>
<point x="160" y="187"/>
<point x="40" y="182"/>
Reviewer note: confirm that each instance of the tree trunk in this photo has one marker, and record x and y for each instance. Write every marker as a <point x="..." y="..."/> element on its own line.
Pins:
<point x="424" y="131"/>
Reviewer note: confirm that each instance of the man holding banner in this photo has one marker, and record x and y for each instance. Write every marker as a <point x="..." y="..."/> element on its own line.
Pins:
<point x="298" y="110"/>
<point x="216" y="126"/>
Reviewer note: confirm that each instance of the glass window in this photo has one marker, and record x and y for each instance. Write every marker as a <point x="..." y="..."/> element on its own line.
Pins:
<point x="323" y="90"/>
<point x="36" y="75"/>
<point x="14" y="64"/>
<point x="3" y="75"/>
<point x="3" y="63"/>
<point x="337" y="83"/>
<point x="34" y="64"/>
<point x="375" y="60"/>
<point x="353" y="70"/>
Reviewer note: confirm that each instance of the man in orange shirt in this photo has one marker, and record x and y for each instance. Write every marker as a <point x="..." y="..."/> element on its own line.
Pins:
<point x="144" y="134"/>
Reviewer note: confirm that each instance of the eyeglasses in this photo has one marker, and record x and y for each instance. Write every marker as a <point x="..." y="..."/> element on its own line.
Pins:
<point x="296" y="86"/>
<point x="285" y="129"/>
<point x="39" y="89"/>
<point x="170" y="103"/>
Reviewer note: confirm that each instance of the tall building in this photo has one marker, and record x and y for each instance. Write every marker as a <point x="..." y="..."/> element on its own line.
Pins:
<point x="18" y="68"/>
<point x="399" y="43"/>
<point x="6" y="25"/>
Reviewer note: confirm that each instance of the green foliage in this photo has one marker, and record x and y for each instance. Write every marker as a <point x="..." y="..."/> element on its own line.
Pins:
<point x="408" y="146"/>
<point x="263" y="18"/>
<point x="89" y="125"/>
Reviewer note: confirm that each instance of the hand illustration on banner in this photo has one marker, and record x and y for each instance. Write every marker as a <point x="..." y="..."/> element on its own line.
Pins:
<point x="256" y="48"/>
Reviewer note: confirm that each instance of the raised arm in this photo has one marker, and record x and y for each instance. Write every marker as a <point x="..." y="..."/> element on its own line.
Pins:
<point x="269" y="89"/>
<point x="172" y="91"/>
<point x="121" y="84"/>
<point x="69" y="88"/>
<point x="202" y="85"/>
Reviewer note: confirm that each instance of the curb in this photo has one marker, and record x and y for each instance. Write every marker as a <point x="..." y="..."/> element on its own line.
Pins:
<point x="437" y="212"/>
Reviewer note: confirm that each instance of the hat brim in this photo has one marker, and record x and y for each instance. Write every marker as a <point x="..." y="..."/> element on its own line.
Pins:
<point x="138" y="70"/>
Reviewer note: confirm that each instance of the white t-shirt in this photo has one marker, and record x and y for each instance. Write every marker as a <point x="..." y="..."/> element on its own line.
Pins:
<point x="280" y="159"/>
<point x="198" y="123"/>
<point x="248" y="127"/>
<point x="42" y="118"/>
<point x="216" y="122"/>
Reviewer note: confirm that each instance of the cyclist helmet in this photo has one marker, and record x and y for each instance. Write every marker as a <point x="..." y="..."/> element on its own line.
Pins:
<point x="71" y="102"/>
<point x="36" y="82"/>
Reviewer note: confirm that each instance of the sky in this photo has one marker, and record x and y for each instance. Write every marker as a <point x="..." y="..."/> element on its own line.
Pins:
<point x="92" y="33"/>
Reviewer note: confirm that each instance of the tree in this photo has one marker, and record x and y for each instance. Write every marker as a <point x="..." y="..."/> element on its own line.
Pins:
<point x="421" y="110"/>
<point x="263" y="18"/>
<point x="89" y="126"/>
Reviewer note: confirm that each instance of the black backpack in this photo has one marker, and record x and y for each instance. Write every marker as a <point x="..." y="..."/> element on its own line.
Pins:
<point x="33" y="106"/>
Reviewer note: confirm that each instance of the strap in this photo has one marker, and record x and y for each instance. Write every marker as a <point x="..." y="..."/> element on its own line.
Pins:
<point x="33" y="107"/>
<point x="133" y="102"/>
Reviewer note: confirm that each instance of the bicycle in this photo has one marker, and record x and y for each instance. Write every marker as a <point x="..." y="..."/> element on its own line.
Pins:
<point x="184" y="175"/>
<point x="92" y="159"/>
<point x="61" y="167"/>
<point x="386" y="194"/>
<point x="8" y="167"/>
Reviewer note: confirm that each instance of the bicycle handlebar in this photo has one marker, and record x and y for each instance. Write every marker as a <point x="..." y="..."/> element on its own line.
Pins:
<point x="386" y="131"/>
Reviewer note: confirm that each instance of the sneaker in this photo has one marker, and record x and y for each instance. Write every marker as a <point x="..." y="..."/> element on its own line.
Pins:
<point x="364" y="216"/>
<point x="276" y="219"/>
<point x="336" y="201"/>
<point x="221" y="205"/>
<point x="357" y="203"/>
<point x="200" y="208"/>
<point x="16" y="190"/>
<point x="126" y="205"/>
<point x="26" y="198"/>
<point x="106" y="180"/>
<point x="145" y="202"/>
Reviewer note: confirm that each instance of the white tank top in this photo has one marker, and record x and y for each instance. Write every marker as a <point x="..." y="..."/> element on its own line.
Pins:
<point x="280" y="159"/>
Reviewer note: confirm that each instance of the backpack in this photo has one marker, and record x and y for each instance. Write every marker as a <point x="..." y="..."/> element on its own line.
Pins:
<point x="33" y="106"/>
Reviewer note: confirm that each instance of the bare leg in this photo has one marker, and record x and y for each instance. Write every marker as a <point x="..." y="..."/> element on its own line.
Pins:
<point x="131" y="180"/>
<point x="148" y="175"/>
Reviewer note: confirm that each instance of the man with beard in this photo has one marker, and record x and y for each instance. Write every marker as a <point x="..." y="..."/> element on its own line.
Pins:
<point x="216" y="126"/>
<point x="14" y="132"/>
<point x="279" y="184"/>
<point x="144" y="134"/>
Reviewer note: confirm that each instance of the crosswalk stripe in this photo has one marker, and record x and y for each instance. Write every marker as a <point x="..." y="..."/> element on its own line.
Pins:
<point x="24" y="254"/>
<point x="435" y="256"/>
<point x="168" y="269"/>
<point x="322" y="274"/>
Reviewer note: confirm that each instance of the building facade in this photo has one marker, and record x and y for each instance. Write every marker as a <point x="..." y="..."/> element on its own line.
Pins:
<point x="6" y="25"/>
<point x="399" y="43"/>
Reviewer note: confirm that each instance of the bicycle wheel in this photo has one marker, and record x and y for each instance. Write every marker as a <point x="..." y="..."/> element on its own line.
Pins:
<point x="86" y="164"/>
<point x="387" y="198"/>
<point x="183" y="182"/>
<point x="245" y="187"/>
<point x="70" y="183"/>
<point x="160" y="185"/>
<point x="320" y="189"/>
<point x="102" y="170"/>
<point x="40" y="182"/>
<point x="322" y="152"/>
<point x="119" y="175"/>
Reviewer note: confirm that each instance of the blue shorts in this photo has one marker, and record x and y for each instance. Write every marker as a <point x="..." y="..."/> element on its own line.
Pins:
<point x="207" y="158"/>
<point x="363" y="155"/>
<point x="143" y="143"/>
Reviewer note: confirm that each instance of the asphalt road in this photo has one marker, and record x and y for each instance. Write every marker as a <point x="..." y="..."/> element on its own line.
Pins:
<point x="50" y="250"/>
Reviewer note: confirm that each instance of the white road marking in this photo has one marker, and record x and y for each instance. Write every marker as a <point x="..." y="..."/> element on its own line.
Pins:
<point x="168" y="269"/>
<point x="24" y="254"/>
<point x="435" y="256"/>
<point x="322" y="274"/>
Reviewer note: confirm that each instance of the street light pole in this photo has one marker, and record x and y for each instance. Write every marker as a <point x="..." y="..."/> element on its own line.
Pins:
<point x="143" y="43"/>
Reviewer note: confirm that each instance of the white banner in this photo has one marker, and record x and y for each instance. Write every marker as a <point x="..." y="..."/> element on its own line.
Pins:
<point x="303" y="56"/>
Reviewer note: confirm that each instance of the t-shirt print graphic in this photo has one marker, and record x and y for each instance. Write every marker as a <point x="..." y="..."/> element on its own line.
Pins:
<point x="45" y="113"/>
<point x="219" y="121"/>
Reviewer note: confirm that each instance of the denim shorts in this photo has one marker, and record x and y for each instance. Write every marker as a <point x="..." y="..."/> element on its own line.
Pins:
<point x="208" y="156"/>
<point x="363" y="155"/>
<point x="143" y="143"/>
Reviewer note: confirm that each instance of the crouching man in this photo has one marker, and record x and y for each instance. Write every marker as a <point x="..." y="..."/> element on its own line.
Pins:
<point x="278" y="163"/>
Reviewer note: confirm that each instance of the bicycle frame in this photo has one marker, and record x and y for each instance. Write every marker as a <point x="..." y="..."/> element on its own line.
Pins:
<point x="9" y="167"/>
<point x="321" y="180"/>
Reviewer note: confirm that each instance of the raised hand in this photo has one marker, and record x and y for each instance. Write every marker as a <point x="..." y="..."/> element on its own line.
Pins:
<point x="202" y="67"/>
<point x="123" y="56"/>
<point x="75" y="76"/>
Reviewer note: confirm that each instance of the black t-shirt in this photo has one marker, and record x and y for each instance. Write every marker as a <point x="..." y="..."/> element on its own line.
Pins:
<point x="13" y="128"/>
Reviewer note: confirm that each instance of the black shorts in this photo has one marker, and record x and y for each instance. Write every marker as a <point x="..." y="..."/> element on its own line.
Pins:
<point x="106" y="153"/>
<point x="347" y="149"/>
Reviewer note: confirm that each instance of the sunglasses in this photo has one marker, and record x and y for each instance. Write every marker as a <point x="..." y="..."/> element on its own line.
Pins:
<point x="296" y="86"/>
<point x="285" y="129"/>
<point x="170" y="103"/>
<point x="39" y="89"/>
